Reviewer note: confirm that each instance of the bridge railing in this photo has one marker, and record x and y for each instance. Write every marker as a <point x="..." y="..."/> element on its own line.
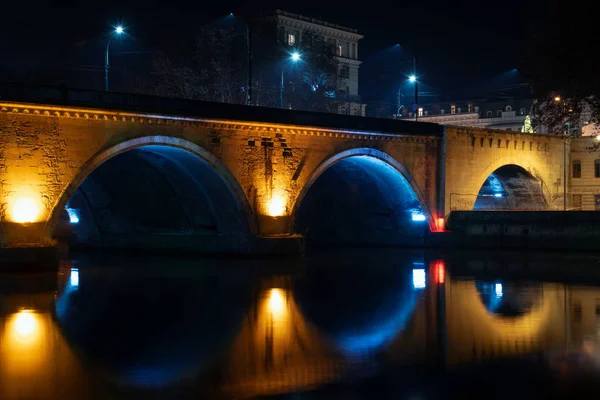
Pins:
<point x="53" y="94"/>
<point x="63" y="96"/>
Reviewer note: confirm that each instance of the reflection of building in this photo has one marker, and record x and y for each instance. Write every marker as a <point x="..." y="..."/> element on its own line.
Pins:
<point x="504" y="113"/>
<point x="346" y="45"/>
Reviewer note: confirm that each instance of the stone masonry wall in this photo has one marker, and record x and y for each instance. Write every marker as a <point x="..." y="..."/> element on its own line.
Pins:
<point x="46" y="152"/>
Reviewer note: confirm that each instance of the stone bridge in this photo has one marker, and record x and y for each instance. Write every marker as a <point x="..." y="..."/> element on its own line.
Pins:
<point x="130" y="170"/>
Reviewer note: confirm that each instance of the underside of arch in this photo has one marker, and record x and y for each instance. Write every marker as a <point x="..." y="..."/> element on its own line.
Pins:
<point x="511" y="187"/>
<point x="155" y="196"/>
<point x="361" y="200"/>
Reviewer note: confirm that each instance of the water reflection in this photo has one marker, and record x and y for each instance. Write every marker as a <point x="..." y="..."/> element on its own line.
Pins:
<point x="116" y="327"/>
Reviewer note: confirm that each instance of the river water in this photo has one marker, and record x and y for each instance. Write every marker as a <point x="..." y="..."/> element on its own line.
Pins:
<point x="340" y="324"/>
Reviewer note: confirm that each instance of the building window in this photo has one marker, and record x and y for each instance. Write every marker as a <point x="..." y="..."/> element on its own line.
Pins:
<point x="577" y="202"/>
<point x="597" y="168"/>
<point x="453" y="109"/>
<point x="522" y="111"/>
<point x="345" y="72"/>
<point x="442" y="111"/>
<point x="476" y="109"/>
<point x="458" y="110"/>
<point x="597" y="202"/>
<point x="576" y="169"/>
<point x="508" y="108"/>
<point x="340" y="50"/>
<point x="489" y="114"/>
<point x="469" y="107"/>
<point x="420" y="111"/>
<point x="499" y="113"/>
<point x="291" y="39"/>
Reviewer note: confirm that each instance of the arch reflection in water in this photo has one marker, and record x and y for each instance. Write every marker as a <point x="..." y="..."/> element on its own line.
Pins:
<point x="360" y="310"/>
<point x="151" y="326"/>
<point x="509" y="299"/>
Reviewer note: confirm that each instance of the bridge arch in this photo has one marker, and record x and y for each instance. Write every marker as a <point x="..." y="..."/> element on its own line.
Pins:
<point x="166" y="155"/>
<point x="387" y="179"/>
<point x="519" y="178"/>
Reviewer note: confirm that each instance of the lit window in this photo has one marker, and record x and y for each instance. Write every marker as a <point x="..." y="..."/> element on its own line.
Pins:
<point x="340" y="50"/>
<point x="291" y="39"/>
<point x="597" y="202"/>
<point x="522" y="111"/>
<point x="452" y="109"/>
<point x="459" y="110"/>
<point x="420" y="111"/>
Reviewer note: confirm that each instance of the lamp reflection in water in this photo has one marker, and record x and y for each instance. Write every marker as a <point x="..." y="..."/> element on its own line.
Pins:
<point x="25" y="325"/>
<point x="276" y="303"/>
<point x="21" y="344"/>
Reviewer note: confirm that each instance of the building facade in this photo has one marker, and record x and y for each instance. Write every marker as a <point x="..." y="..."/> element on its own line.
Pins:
<point x="346" y="48"/>
<point x="584" y="174"/>
<point x="506" y="114"/>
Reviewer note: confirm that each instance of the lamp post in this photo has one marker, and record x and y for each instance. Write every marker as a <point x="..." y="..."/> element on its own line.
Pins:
<point x="413" y="78"/>
<point x="295" y="57"/>
<point x="566" y="132"/>
<point x="249" y="50"/>
<point x="118" y="32"/>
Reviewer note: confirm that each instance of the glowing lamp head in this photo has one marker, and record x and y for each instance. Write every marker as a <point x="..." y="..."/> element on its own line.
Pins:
<point x="276" y="206"/>
<point x="557" y="99"/>
<point x="295" y="56"/>
<point x="119" y="30"/>
<point x="24" y="210"/>
<point x="412" y="78"/>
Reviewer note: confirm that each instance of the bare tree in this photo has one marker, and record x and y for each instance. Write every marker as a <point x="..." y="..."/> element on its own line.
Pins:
<point x="174" y="80"/>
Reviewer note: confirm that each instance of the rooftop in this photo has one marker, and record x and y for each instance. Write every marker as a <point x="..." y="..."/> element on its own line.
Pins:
<point x="314" y="21"/>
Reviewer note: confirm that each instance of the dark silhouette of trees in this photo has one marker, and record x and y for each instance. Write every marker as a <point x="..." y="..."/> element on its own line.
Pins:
<point x="560" y="66"/>
<point x="215" y="68"/>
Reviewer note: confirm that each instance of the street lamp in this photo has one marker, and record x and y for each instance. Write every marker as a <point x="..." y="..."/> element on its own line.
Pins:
<point x="119" y="30"/>
<point x="249" y="50"/>
<point x="413" y="79"/>
<point x="557" y="99"/>
<point x="295" y="57"/>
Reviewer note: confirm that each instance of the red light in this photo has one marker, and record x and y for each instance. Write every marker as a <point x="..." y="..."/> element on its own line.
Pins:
<point x="440" y="224"/>
<point x="439" y="272"/>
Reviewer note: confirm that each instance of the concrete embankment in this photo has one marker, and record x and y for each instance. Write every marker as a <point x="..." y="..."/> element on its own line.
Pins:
<point x="522" y="230"/>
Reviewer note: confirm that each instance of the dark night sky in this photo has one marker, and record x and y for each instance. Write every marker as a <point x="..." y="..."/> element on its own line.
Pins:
<point x="461" y="44"/>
